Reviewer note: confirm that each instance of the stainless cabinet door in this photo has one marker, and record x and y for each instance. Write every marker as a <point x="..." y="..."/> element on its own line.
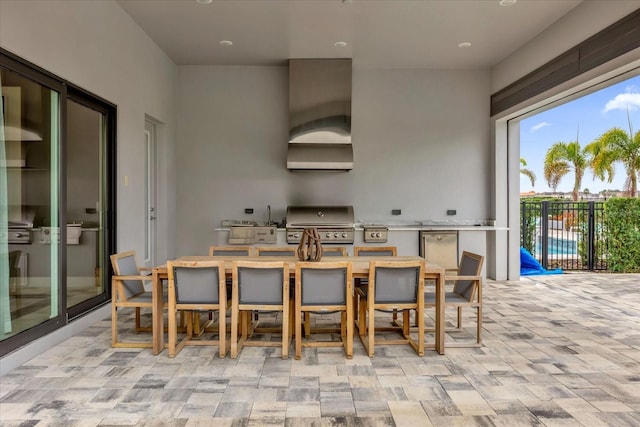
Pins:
<point x="440" y="248"/>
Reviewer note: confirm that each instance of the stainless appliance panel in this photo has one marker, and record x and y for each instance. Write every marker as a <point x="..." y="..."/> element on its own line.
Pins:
<point x="335" y="224"/>
<point x="242" y="235"/>
<point x="320" y="216"/>
<point x="327" y="235"/>
<point x="19" y="236"/>
<point x="376" y="234"/>
<point x="440" y="247"/>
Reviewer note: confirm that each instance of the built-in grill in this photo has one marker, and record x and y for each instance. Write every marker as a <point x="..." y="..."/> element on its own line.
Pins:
<point x="335" y="224"/>
<point x="20" y="231"/>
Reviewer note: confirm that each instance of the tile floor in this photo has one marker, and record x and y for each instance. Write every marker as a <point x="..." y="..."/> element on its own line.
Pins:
<point x="558" y="351"/>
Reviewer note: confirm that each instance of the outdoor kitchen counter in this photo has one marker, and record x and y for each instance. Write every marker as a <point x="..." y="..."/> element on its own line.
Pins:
<point x="361" y="227"/>
<point x="435" y="227"/>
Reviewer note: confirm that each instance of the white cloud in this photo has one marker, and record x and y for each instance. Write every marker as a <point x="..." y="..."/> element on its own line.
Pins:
<point x="623" y="101"/>
<point x="540" y="126"/>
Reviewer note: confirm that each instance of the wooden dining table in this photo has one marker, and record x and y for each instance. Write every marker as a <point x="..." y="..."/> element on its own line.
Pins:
<point x="360" y="269"/>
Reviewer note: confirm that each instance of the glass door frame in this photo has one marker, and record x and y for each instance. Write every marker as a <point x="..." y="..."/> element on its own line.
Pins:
<point x="107" y="213"/>
<point x="67" y="90"/>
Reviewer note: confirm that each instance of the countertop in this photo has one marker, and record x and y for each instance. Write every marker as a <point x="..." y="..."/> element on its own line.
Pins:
<point x="429" y="225"/>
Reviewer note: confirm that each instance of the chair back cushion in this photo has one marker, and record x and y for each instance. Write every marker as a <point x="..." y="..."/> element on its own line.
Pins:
<point x="260" y="285"/>
<point x="231" y="252"/>
<point x="323" y="286"/>
<point x="469" y="266"/>
<point x="278" y="253"/>
<point x="396" y="285"/>
<point x="331" y="253"/>
<point x="127" y="266"/>
<point x="364" y="252"/>
<point x="196" y="285"/>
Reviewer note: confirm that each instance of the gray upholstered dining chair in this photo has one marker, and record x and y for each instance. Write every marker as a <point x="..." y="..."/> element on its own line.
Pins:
<point x="371" y="251"/>
<point x="128" y="291"/>
<point x="231" y="251"/>
<point x="194" y="287"/>
<point x="375" y="251"/>
<point x="324" y="287"/>
<point x="276" y="250"/>
<point x="393" y="286"/>
<point x="467" y="292"/>
<point x="334" y="250"/>
<point x="259" y="286"/>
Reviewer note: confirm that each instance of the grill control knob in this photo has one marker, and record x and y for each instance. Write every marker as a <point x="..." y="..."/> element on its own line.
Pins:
<point x="335" y="235"/>
<point x="344" y="235"/>
<point x="328" y="235"/>
<point x="296" y="235"/>
<point x="377" y="234"/>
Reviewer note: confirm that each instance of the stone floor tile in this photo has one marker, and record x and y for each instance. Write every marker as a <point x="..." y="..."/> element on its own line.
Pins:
<point x="409" y="414"/>
<point x="548" y="359"/>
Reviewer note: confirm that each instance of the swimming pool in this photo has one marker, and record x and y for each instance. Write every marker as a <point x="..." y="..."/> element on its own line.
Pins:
<point x="557" y="246"/>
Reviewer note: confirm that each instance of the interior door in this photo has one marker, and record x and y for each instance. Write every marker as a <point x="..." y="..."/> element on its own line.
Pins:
<point x="150" y="145"/>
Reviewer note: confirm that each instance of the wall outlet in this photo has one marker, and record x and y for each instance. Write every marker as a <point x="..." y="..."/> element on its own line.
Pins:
<point x="248" y="210"/>
<point x="396" y="211"/>
<point x="451" y="212"/>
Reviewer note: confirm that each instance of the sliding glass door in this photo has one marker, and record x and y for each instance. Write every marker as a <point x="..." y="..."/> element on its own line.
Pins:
<point x="56" y="168"/>
<point x="29" y="293"/>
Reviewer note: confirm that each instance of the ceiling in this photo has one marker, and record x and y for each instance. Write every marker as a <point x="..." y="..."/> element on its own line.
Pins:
<point x="378" y="33"/>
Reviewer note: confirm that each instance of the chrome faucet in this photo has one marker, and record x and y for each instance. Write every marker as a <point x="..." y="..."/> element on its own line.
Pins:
<point x="269" y="215"/>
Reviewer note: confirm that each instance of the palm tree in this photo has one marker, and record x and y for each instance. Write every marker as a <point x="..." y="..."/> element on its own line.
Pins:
<point x="561" y="158"/>
<point x="527" y="172"/>
<point x="617" y="145"/>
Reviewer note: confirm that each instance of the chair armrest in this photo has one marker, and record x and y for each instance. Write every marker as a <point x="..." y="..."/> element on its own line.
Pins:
<point x="147" y="270"/>
<point x="145" y="278"/>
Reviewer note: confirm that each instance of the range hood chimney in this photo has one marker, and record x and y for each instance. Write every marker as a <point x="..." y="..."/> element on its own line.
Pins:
<point x="320" y="115"/>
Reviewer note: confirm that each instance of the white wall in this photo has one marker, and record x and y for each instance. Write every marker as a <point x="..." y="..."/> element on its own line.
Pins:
<point x="95" y="45"/>
<point x="421" y="144"/>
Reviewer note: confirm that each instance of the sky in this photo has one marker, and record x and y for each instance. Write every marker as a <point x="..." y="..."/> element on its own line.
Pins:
<point x="586" y="119"/>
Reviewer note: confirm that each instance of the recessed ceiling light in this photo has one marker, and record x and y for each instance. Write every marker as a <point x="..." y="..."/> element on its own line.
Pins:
<point x="204" y="1"/>
<point x="340" y="44"/>
<point x="226" y="42"/>
<point x="507" y="2"/>
<point x="464" y="44"/>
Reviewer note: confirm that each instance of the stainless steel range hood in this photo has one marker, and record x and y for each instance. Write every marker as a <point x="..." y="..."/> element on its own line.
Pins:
<point x="320" y="115"/>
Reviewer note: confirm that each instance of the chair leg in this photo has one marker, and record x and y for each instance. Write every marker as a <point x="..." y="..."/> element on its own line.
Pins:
<point x="222" y="330"/>
<point x="362" y="319"/>
<point x="371" y="330"/>
<point x="138" y="326"/>
<point x="307" y="323"/>
<point x="479" y="322"/>
<point x="298" y="325"/>
<point x="234" y="332"/>
<point x="173" y="331"/>
<point x="114" y="325"/>
<point x="420" y="320"/>
<point x="349" y="332"/>
<point x="285" y="330"/>
<point x="459" y="317"/>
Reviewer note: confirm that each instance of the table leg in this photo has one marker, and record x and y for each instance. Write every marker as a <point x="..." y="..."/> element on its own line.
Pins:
<point x="156" y="314"/>
<point x="440" y="289"/>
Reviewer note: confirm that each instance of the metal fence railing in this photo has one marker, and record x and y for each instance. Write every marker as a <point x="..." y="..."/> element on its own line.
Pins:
<point x="564" y="234"/>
